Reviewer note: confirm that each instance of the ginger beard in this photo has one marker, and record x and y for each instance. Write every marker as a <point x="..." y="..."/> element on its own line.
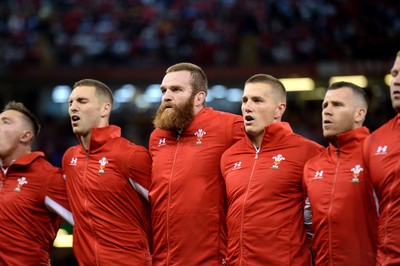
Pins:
<point x="177" y="117"/>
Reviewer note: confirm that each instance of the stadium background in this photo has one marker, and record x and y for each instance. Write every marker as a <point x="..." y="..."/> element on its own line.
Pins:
<point x="128" y="44"/>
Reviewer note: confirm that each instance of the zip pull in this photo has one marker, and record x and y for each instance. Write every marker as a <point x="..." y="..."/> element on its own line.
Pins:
<point x="87" y="155"/>
<point x="179" y="132"/>
<point x="257" y="152"/>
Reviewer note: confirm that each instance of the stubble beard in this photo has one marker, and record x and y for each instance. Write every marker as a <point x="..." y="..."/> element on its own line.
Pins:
<point x="176" y="119"/>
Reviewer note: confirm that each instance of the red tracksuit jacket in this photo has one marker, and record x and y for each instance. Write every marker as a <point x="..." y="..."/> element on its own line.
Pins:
<point x="382" y="157"/>
<point x="112" y="223"/>
<point x="344" y="214"/>
<point x="187" y="193"/>
<point x="266" y="198"/>
<point x="27" y="227"/>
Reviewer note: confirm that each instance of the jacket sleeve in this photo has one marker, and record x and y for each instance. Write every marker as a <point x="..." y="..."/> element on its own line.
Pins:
<point x="313" y="150"/>
<point x="55" y="195"/>
<point x="234" y="129"/>
<point x="367" y="173"/>
<point x="140" y="167"/>
<point x="307" y="208"/>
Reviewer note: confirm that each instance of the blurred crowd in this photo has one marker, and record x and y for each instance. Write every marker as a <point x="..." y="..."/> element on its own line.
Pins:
<point x="208" y="32"/>
<point x="158" y="33"/>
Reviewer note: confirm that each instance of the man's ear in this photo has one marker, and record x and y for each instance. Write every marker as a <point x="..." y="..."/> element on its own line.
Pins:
<point x="359" y="115"/>
<point x="26" y="136"/>
<point x="199" y="98"/>
<point x="279" y="111"/>
<point x="106" y="109"/>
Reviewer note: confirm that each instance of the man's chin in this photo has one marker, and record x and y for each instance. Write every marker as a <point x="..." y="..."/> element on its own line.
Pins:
<point x="249" y="129"/>
<point x="76" y="130"/>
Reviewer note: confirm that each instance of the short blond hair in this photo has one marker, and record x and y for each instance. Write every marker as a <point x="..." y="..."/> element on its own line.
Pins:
<point x="275" y="83"/>
<point x="101" y="88"/>
<point x="198" y="81"/>
<point x="30" y="117"/>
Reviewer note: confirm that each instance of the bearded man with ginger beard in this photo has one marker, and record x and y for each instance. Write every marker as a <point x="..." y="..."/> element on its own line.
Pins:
<point x="187" y="192"/>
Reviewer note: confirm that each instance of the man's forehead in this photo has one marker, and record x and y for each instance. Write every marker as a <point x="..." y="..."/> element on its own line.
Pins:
<point x="82" y="92"/>
<point x="10" y="114"/>
<point x="177" y="78"/>
<point x="257" y="89"/>
<point x="341" y="94"/>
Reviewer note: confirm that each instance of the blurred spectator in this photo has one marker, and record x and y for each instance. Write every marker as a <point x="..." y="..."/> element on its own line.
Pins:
<point x="220" y="32"/>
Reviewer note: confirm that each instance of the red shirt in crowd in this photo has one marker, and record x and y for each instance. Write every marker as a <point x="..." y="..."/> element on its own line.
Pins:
<point x="112" y="225"/>
<point x="187" y="192"/>
<point x="266" y="198"/>
<point x="344" y="214"/>
<point x="382" y="158"/>
<point x="27" y="227"/>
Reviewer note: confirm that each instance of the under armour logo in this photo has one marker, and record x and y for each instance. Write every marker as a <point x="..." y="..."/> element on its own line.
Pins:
<point x="237" y="165"/>
<point x="319" y="174"/>
<point x="74" y="161"/>
<point x="381" y="150"/>
<point x="162" y="142"/>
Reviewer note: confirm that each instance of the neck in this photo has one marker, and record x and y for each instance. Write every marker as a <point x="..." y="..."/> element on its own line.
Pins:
<point x="257" y="141"/>
<point x="17" y="153"/>
<point x="197" y="109"/>
<point x="4" y="167"/>
<point x="332" y="140"/>
<point x="85" y="140"/>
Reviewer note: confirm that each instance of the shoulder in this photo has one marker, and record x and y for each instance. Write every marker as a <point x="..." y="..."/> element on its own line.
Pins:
<point x="238" y="147"/>
<point x="45" y="167"/>
<point x="322" y="156"/>
<point x="306" y="142"/>
<point x="222" y="114"/>
<point x="156" y="132"/>
<point x="306" y="148"/>
<point x="380" y="133"/>
<point x="73" y="149"/>
<point x="383" y="129"/>
<point x="122" y="146"/>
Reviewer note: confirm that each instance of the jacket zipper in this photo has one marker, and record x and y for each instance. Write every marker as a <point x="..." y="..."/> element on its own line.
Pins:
<point x="243" y="206"/>
<point x="86" y="209"/>
<point x="4" y="176"/>
<point x="169" y="197"/>
<point x="331" y="206"/>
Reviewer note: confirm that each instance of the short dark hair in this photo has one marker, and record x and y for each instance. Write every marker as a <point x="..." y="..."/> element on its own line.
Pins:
<point x="198" y="81"/>
<point x="270" y="80"/>
<point x="357" y="90"/>
<point x="101" y="88"/>
<point x="31" y="118"/>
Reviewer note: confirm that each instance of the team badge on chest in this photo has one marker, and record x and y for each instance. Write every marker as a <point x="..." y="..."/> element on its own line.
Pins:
<point x="103" y="162"/>
<point x="277" y="160"/>
<point x="356" y="173"/>
<point x="21" y="181"/>
<point x="199" y="134"/>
